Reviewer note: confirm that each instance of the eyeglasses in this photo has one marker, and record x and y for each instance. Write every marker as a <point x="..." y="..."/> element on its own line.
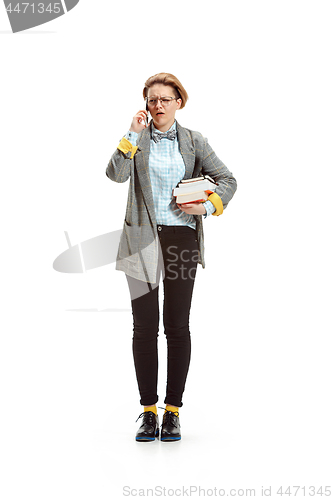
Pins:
<point x="165" y="101"/>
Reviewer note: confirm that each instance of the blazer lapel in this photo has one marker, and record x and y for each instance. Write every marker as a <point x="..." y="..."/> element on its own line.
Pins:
<point x="142" y="168"/>
<point x="187" y="150"/>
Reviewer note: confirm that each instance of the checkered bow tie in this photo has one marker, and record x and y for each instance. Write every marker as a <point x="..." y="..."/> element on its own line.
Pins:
<point x="171" y="134"/>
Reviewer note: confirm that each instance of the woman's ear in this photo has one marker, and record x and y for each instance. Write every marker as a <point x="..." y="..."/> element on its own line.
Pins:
<point x="179" y="103"/>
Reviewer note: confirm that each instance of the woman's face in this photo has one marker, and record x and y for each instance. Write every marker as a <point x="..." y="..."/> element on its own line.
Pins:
<point x="163" y="116"/>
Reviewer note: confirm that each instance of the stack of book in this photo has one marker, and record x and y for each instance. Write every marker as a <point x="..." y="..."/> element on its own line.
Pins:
<point x="194" y="190"/>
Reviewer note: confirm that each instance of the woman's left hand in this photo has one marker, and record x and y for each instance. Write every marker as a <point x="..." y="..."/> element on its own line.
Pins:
<point x="193" y="208"/>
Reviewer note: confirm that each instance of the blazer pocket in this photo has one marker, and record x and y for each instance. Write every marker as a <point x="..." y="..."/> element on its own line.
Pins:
<point x="130" y="242"/>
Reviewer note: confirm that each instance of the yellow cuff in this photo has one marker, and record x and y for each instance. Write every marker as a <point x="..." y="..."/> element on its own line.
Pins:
<point x="217" y="202"/>
<point x="125" y="146"/>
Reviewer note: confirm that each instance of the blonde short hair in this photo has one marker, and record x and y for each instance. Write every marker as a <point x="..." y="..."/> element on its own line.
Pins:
<point x="167" y="79"/>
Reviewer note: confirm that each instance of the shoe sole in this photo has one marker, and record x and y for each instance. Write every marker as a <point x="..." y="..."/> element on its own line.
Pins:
<point x="143" y="439"/>
<point x="171" y="439"/>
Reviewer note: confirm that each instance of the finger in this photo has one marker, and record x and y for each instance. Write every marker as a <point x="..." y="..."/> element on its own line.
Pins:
<point x="141" y="117"/>
<point x="141" y="120"/>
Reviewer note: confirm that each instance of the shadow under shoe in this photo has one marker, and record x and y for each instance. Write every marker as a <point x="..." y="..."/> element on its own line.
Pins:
<point x="149" y="429"/>
<point x="170" y="429"/>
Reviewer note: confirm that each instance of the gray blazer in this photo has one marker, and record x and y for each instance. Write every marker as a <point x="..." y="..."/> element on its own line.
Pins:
<point x="139" y="242"/>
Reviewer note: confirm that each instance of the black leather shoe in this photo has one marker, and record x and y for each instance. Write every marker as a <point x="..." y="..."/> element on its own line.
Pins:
<point x="170" y="429"/>
<point x="149" y="428"/>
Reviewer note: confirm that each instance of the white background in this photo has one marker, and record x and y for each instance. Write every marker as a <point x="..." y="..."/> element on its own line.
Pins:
<point x="258" y="401"/>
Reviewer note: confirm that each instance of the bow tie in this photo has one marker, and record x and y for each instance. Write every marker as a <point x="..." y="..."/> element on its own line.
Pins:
<point x="171" y="134"/>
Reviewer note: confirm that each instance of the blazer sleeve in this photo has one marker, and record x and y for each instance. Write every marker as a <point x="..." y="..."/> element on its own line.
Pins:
<point x="215" y="168"/>
<point x="120" y="165"/>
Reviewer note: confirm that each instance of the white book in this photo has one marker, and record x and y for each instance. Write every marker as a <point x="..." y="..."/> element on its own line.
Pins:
<point x="196" y="197"/>
<point x="187" y="186"/>
<point x="195" y="179"/>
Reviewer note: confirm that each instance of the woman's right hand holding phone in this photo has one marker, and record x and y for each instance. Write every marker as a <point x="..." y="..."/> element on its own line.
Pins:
<point x="139" y="121"/>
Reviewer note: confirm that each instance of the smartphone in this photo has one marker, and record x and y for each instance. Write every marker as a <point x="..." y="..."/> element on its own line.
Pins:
<point x="147" y="113"/>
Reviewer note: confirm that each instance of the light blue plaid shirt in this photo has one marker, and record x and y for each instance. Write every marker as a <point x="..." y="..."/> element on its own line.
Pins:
<point x="166" y="169"/>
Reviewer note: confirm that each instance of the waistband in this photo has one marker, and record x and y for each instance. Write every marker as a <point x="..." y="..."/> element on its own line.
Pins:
<point x="174" y="229"/>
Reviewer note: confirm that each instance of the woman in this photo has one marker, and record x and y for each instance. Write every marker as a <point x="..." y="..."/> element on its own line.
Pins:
<point x="160" y="236"/>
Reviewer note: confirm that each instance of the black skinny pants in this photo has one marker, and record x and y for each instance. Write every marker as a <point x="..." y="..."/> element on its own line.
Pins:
<point x="179" y="248"/>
